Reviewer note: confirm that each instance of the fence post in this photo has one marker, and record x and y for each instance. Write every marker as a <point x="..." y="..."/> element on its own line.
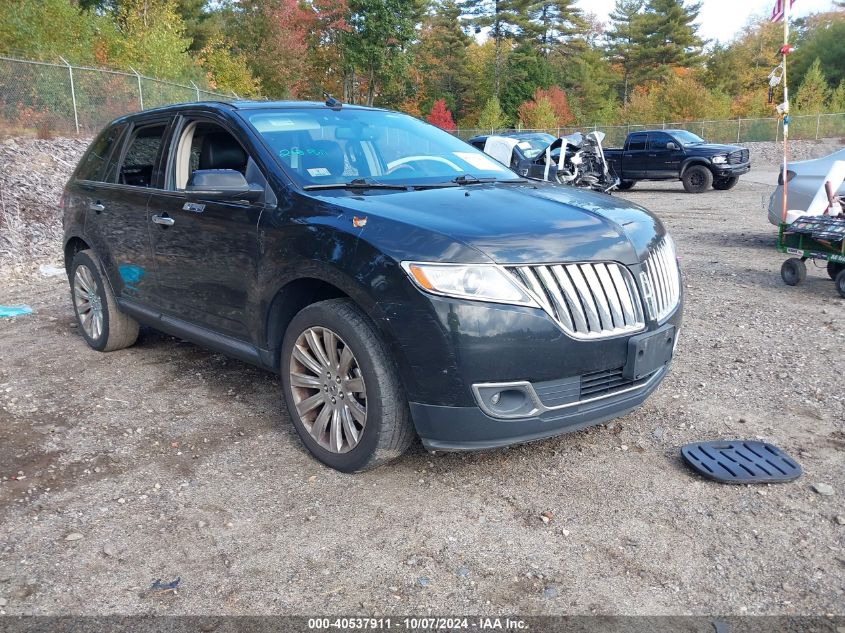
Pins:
<point x="738" y="127"/>
<point x="140" y="90"/>
<point x="73" y="94"/>
<point x="818" y="122"/>
<point x="196" y="89"/>
<point x="777" y="129"/>
<point x="235" y="94"/>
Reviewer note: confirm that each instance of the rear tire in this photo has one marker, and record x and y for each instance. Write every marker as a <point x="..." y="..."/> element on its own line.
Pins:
<point x="342" y="388"/>
<point x="723" y="184"/>
<point x="834" y="268"/>
<point x="840" y="283"/>
<point x="103" y="326"/>
<point x="793" y="271"/>
<point x="697" y="179"/>
<point x="625" y="185"/>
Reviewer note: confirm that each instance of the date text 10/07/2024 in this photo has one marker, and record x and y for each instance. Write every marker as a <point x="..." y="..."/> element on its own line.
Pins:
<point x="418" y="624"/>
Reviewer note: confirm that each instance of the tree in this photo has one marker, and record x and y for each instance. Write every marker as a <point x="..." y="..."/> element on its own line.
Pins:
<point x="624" y="36"/>
<point x="526" y="71"/>
<point x="441" y="116"/>
<point x="492" y="116"/>
<point x="666" y="37"/>
<point x="506" y="19"/>
<point x="376" y="44"/>
<point x="813" y="92"/>
<point x="440" y="59"/>
<point x="537" y="114"/>
<point x="823" y="39"/>
<point x="836" y="104"/>
<point x="228" y="70"/>
<point x="555" y="22"/>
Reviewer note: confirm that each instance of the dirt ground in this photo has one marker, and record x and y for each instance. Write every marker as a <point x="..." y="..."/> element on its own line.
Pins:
<point x="165" y="461"/>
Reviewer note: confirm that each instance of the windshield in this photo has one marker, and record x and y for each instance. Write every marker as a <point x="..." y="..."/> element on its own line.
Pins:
<point x="687" y="138"/>
<point x="531" y="146"/>
<point x="321" y="147"/>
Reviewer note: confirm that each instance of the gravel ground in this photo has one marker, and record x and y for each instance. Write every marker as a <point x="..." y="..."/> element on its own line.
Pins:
<point x="165" y="461"/>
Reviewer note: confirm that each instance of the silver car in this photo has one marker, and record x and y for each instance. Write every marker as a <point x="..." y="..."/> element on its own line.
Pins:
<point x="804" y="178"/>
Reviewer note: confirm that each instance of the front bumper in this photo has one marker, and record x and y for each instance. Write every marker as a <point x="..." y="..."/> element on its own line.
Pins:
<point x="729" y="171"/>
<point x="469" y="428"/>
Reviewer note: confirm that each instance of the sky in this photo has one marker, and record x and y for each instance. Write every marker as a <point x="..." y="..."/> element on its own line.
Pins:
<point x="721" y="19"/>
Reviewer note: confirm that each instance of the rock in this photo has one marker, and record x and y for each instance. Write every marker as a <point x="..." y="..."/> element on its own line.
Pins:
<point x="3" y="602"/>
<point x="547" y="516"/>
<point x="109" y="550"/>
<point x="550" y="592"/>
<point x="201" y="524"/>
<point x="659" y="432"/>
<point x="462" y="571"/>
<point x="74" y="536"/>
<point x="423" y="581"/>
<point x="825" y="490"/>
<point x="840" y="519"/>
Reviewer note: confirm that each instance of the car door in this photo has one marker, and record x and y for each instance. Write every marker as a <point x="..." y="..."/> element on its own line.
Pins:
<point x="663" y="156"/>
<point x="634" y="158"/>
<point x="206" y="251"/>
<point x="117" y="221"/>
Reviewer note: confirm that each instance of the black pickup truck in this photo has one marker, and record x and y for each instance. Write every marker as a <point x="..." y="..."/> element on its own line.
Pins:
<point x="677" y="155"/>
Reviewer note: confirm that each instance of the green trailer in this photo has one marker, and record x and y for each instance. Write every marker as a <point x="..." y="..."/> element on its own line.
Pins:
<point x="805" y="245"/>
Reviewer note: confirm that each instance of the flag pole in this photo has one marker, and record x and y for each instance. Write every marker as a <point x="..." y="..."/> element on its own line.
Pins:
<point x="785" y="52"/>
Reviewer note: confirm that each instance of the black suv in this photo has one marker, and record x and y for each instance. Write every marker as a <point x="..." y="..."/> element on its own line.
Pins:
<point x="399" y="280"/>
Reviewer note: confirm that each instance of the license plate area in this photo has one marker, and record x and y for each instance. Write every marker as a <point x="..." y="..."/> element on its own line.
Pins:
<point x="649" y="352"/>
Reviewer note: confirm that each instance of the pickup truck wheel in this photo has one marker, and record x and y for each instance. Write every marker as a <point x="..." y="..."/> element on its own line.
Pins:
<point x="102" y="324"/>
<point x="793" y="271"/>
<point x="840" y="283"/>
<point x="834" y="268"/>
<point x="624" y="185"/>
<point x="723" y="184"/>
<point x="697" y="179"/>
<point x="342" y="388"/>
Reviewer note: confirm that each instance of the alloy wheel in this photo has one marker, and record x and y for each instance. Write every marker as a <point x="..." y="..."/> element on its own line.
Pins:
<point x="88" y="303"/>
<point x="328" y="389"/>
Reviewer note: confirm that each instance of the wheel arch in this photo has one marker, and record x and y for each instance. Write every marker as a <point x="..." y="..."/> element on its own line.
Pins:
<point x="691" y="162"/>
<point x="73" y="245"/>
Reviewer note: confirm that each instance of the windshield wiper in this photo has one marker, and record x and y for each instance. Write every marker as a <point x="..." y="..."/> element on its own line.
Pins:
<point x="469" y="179"/>
<point x="358" y="183"/>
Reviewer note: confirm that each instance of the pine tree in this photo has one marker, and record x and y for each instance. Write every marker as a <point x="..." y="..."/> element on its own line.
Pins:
<point x="492" y="117"/>
<point x="624" y="35"/>
<point x="506" y="19"/>
<point x="667" y="37"/>
<point x="836" y="104"/>
<point x="813" y="92"/>
<point x="441" y="58"/>
<point x="555" y="22"/>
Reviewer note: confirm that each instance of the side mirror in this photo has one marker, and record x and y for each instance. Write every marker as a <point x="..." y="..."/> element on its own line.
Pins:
<point x="222" y="184"/>
<point x="671" y="145"/>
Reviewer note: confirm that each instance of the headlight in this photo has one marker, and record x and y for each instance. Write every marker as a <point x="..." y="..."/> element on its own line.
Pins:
<point x="468" y="281"/>
<point x="719" y="160"/>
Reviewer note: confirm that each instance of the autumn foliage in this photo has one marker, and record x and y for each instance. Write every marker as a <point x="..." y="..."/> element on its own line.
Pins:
<point x="441" y="116"/>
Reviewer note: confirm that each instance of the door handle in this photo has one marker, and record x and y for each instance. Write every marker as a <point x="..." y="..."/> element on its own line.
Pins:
<point x="97" y="206"/>
<point x="164" y="220"/>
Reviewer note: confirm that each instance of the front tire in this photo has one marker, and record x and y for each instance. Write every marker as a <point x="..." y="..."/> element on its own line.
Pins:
<point x="793" y="271"/>
<point x="834" y="268"/>
<point x="840" y="283"/>
<point x="342" y="388"/>
<point x="103" y="326"/>
<point x="724" y="184"/>
<point x="697" y="179"/>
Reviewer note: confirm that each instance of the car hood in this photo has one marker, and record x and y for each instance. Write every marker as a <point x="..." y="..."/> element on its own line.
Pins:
<point x="507" y="223"/>
<point x="711" y="149"/>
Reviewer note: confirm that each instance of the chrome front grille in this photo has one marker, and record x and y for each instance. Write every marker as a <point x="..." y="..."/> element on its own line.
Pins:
<point x="661" y="280"/>
<point x="738" y="157"/>
<point x="595" y="300"/>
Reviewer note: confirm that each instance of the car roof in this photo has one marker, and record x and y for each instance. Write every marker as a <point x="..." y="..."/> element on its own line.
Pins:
<point x="239" y="105"/>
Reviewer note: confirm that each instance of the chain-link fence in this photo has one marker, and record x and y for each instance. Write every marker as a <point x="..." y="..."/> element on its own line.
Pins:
<point x="50" y="97"/>
<point x="802" y="127"/>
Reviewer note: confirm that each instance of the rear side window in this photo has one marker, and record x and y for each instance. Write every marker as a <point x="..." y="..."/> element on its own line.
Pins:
<point x="637" y="142"/>
<point x="139" y="162"/>
<point x="91" y="165"/>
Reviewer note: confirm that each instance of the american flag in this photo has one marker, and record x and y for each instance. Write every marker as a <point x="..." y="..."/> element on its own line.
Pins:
<point x="777" y="11"/>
